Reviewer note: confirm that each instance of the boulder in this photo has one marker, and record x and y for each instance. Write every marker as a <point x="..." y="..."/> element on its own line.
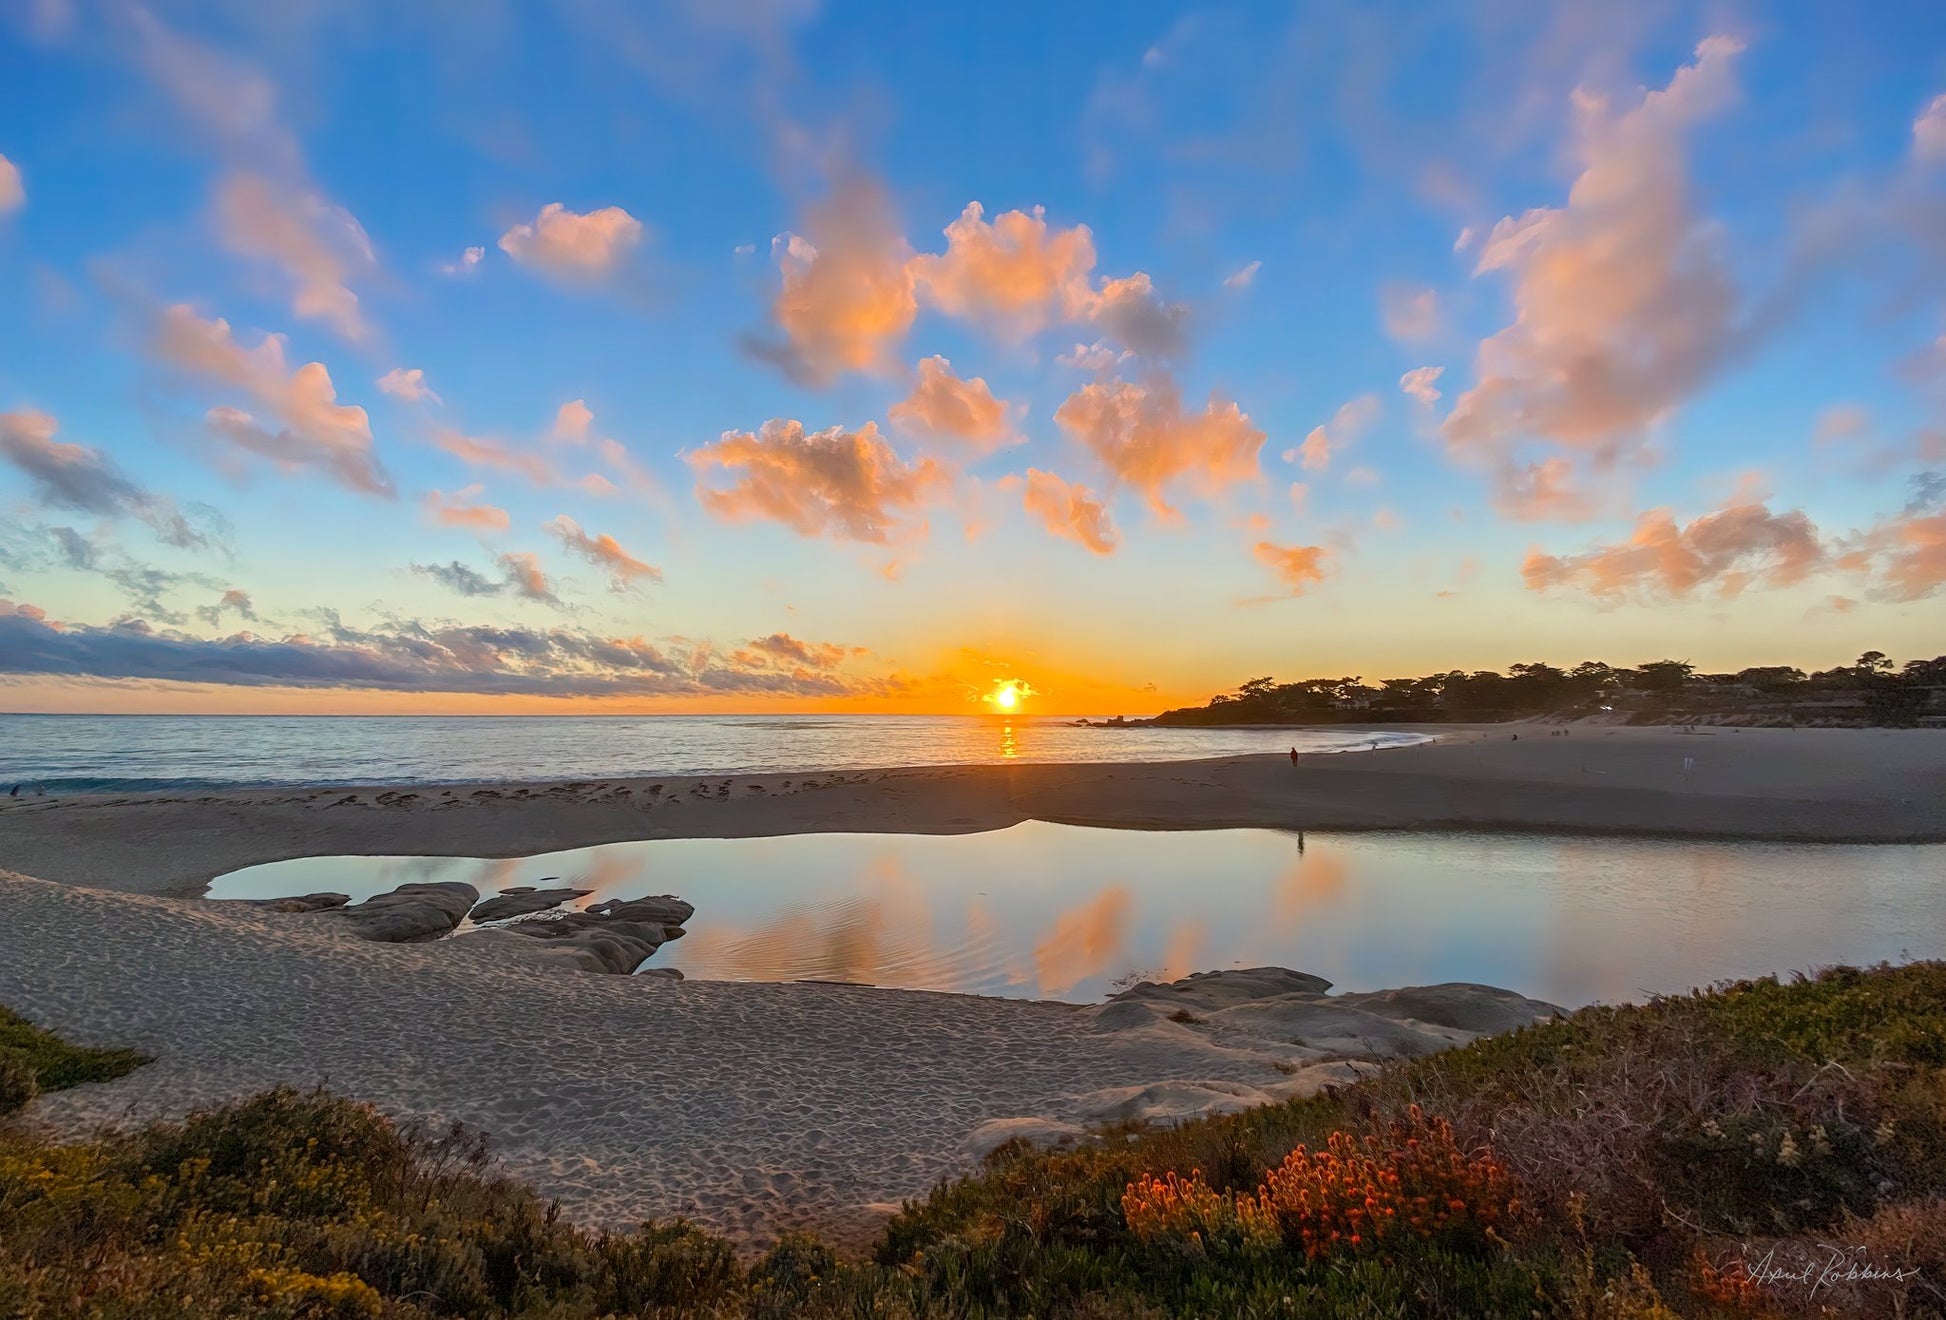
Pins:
<point x="1204" y="992"/>
<point x="616" y="936"/>
<point x="298" y="903"/>
<point x="661" y="910"/>
<point x="522" y="900"/>
<point x="410" y="914"/>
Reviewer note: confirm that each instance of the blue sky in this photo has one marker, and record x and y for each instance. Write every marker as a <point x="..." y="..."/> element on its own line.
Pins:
<point x="1735" y="316"/>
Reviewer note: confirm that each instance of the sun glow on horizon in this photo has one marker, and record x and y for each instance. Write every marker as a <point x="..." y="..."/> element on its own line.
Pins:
<point x="1007" y="696"/>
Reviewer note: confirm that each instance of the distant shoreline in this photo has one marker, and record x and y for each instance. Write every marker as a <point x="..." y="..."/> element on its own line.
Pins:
<point x="1837" y="785"/>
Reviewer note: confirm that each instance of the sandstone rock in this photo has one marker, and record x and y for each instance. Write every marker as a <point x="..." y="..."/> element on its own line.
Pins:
<point x="995" y="1133"/>
<point x="1207" y="991"/>
<point x="409" y="914"/>
<point x="616" y="936"/>
<point x="522" y="900"/>
<point x="661" y="910"/>
<point x="299" y="902"/>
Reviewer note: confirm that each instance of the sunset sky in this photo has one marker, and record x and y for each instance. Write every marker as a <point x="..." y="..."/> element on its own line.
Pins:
<point x="747" y="354"/>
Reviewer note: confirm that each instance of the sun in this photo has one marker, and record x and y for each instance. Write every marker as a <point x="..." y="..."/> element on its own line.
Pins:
<point x="1007" y="697"/>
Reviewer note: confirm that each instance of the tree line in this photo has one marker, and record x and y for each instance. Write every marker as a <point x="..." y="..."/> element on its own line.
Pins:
<point x="1890" y="693"/>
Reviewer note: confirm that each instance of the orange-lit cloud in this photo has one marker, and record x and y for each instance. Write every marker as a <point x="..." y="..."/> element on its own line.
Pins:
<point x="408" y="385"/>
<point x="1133" y="314"/>
<point x="1730" y="548"/>
<point x="1409" y="314"/>
<point x="1624" y="302"/>
<point x="1906" y="555"/>
<point x="1069" y="510"/>
<point x="13" y="191"/>
<point x="460" y="509"/>
<point x="943" y="406"/>
<point x="822" y="483"/>
<point x="1546" y="491"/>
<point x="1010" y="274"/>
<point x="624" y="570"/>
<point x="847" y="298"/>
<point x="1929" y="131"/>
<point x="316" y="430"/>
<point x="572" y="421"/>
<point x="317" y="245"/>
<point x="1420" y="384"/>
<point x="1324" y="442"/>
<point x="1145" y="440"/>
<point x="572" y="246"/>
<point x="1298" y="567"/>
<point x="788" y="649"/>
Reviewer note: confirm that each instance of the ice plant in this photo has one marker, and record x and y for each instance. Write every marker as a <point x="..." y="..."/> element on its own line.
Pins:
<point x="1409" y="1178"/>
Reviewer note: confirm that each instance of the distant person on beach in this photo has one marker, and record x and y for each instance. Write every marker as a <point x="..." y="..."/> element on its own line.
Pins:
<point x="1293" y="756"/>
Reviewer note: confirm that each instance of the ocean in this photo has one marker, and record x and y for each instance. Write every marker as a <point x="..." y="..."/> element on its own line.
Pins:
<point x="137" y="753"/>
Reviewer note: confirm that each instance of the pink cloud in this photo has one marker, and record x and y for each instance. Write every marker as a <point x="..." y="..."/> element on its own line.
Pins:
<point x="833" y="482"/>
<point x="1145" y="440"/>
<point x="942" y="405"/>
<point x="1409" y="314"/>
<point x="1298" y="567"/>
<point x="1011" y="273"/>
<point x="408" y="385"/>
<point x="1420" y="384"/>
<point x="460" y="510"/>
<point x="570" y="245"/>
<point x="317" y="245"/>
<point x="847" y="298"/>
<point x="1624" y="302"/>
<point x="13" y="192"/>
<point x="604" y="552"/>
<point x="1729" y="548"/>
<point x="1070" y="511"/>
<point x="1546" y="491"/>
<point x="316" y="431"/>
<point x="1323" y="442"/>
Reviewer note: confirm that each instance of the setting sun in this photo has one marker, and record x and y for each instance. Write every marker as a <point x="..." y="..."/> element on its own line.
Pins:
<point x="1007" y="697"/>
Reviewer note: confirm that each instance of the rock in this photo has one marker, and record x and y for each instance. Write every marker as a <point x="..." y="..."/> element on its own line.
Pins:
<point x="662" y="910"/>
<point x="1208" y="991"/>
<point x="662" y="973"/>
<point x="523" y="900"/>
<point x="298" y="903"/>
<point x="1168" y="1102"/>
<point x="410" y="914"/>
<point x="616" y="936"/>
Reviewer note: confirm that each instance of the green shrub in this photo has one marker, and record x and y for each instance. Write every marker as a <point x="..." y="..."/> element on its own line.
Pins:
<point x="18" y="1084"/>
<point x="56" y="1064"/>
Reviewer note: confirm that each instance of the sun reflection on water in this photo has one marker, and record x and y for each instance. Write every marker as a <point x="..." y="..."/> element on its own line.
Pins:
<point x="1009" y="744"/>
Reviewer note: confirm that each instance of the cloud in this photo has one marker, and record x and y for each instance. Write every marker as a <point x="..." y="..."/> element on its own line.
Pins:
<point x="1131" y="312"/>
<point x="572" y="246"/>
<point x="408" y="385"/>
<point x="604" y="552"/>
<point x="317" y="431"/>
<point x="1624" y="302"/>
<point x="456" y="511"/>
<point x="70" y="476"/>
<point x="833" y="482"/>
<point x="1244" y="277"/>
<point x="1546" y="491"/>
<point x="233" y="600"/>
<point x="469" y="261"/>
<point x="1323" y="443"/>
<point x="1069" y="511"/>
<point x="520" y="575"/>
<point x="1911" y="554"/>
<point x="1010" y="274"/>
<point x="143" y="585"/>
<point x="1419" y="383"/>
<point x="1145" y="440"/>
<point x="943" y="406"/>
<point x="1729" y="548"/>
<point x="789" y="650"/>
<point x="1845" y="421"/>
<point x="1097" y="357"/>
<point x="1929" y="131"/>
<point x="403" y="656"/>
<point x="1409" y="314"/>
<point x="847" y="297"/>
<point x="487" y="452"/>
<point x="572" y="422"/>
<point x="13" y="192"/>
<point x="1298" y="567"/>
<point x="317" y="245"/>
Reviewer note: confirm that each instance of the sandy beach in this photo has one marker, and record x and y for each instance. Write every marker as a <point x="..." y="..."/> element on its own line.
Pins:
<point x="758" y="1106"/>
<point x="1810" y="785"/>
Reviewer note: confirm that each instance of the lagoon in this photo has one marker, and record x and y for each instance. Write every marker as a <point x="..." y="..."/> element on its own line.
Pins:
<point x="1049" y="911"/>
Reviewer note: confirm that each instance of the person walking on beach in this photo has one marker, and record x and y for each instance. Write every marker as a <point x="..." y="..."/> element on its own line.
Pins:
<point x="1293" y="757"/>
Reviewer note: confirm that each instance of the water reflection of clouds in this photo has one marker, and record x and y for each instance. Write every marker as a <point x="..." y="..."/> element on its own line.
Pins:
<point x="1061" y="911"/>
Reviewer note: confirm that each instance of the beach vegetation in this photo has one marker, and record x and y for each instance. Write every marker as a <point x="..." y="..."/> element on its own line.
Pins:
<point x="1759" y="1148"/>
